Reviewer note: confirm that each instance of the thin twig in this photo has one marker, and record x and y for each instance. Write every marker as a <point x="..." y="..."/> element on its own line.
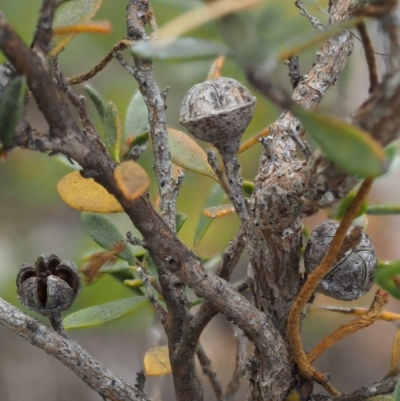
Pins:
<point x="57" y="325"/>
<point x="240" y="365"/>
<point x="205" y="364"/>
<point x="253" y="140"/>
<point x="43" y="34"/>
<point x="220" y="172"/>
<point x="369" y="55"/>
<point x="232" y="171"/>
<point x="162" y="314"/>
<point x="377" y="306"/>
<point x="229" y="260"/>
<point x="139" y="14"/>
<point x="293" y="326"/>
<point x="356" y="311"/>
<point x="70" y="354"/>
<point x="395" y="357"/>
<point x="77" y="101"/>
<point x="363" y="394"/>
<point x="121" y="45"/>
<point x="294" y="71"/>
<point x="313" y="20"/>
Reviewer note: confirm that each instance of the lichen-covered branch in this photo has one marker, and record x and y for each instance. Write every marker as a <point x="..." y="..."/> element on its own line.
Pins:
<point x="70" y="354"/>
<point x="139" y="14"/>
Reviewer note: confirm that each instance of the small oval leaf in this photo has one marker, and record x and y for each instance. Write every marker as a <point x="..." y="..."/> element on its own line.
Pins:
<point x="387" y="276"/>
<point x="156" y="362"/>
<point x="106" y="234"/>
<point x="11" y="109"/>
<point x="137" y="116"/>
<point x="97" y="100"/>
<point x="100" y="314"/>
<point x="349" y="147"/>
<point x="180" y="221"/>
<point x="179" y="49"/>
<point x="217" y="197"/>
<point x="86" y="194"/>
<point x="112" y="130"/>
<point x="71" y="13"/>
<point x="185" y="152"/>
<point x="248" y="187"/>
<point x="131" y="179"/>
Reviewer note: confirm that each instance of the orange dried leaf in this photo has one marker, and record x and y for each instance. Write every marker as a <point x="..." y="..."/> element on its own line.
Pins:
<point x="218" y="211"/>
<point x="131" y="179"/>
<point x="156" y="362"/>
<point x="85" y="194"/>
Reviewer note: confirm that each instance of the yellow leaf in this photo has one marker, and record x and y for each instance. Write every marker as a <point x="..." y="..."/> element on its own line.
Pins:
<point x="131" y="179"/>
<point x="156" y="362"/>
<point x="85" y="194"/>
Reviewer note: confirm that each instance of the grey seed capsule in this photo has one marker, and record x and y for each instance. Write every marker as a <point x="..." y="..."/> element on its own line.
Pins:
<point x="218" y="112"/>
<point x="50" y="287"/>
<point x="353" y="275"/>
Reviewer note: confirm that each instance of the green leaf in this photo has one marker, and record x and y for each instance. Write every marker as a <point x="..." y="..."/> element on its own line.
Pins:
<point x="382" y="210"/>
<point x="180" y="221"/>
<point x="106" y="234"/>
<point x="112" y="130"/>
<point x="217" y="197"/>
<point x="140" y="139"/>
<point x="393" y="158"/>
<point x="179" y="49"/>
<point x="345" y="204"/>
<point x="239" y="33"/>
<point x="248" y="187"/>
<point x="387" y="276"/>
<point x="137" y="116"/>
<point x="185" y="152"/>
<point x="100" y="314"/>
<point x="396" y="393"/>
<point x="11" y="109"/>
<point x="97" y="100"/>
<point x="349" y="147"/>
<point x="71" y="13"/>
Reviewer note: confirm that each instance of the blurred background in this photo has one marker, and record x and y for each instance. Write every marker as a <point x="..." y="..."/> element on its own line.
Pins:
<point x="34" y="220"/>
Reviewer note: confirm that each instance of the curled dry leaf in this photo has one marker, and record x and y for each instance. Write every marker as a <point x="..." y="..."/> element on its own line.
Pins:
<point x="131" y="179"/>
<point x="85" y="194"/>
<point x="156" y="362"/>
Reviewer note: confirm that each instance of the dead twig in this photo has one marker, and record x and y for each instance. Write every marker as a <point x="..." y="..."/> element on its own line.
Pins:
<point x="240" y="365"/>
<point x="205" y="364"/>
<point x="377" y="306"/>
<point x="293" y="326"/>
<point x="121" y="45"/>
<point x="395" y="357"/>
<point x="369" y="55"/>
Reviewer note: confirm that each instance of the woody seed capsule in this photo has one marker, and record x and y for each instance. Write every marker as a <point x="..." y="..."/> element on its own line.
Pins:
<point x="49" y="287"/>
<point x="218" y="112"/>
<point x="353" y="275"/>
